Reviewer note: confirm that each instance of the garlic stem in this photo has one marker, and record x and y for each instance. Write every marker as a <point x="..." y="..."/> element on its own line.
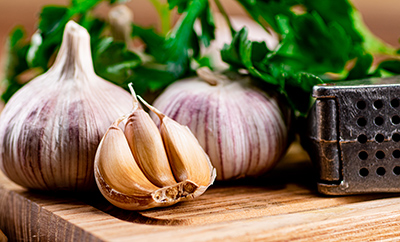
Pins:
<point x="74" y="60"/>
<point x="207" y="75"/>
<point x="153" y="109"/>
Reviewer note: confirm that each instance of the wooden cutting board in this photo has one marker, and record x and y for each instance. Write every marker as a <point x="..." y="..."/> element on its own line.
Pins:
<point x="281" y="206"/>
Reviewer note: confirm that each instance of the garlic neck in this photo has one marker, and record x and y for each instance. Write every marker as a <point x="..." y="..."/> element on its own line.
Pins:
<point x="74" y="59"/>
<point x="210" y="77"/>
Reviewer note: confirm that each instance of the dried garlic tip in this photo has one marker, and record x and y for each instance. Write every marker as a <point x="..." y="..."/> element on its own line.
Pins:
<point x="187" y="158"/>
<point x="147" y="146"/>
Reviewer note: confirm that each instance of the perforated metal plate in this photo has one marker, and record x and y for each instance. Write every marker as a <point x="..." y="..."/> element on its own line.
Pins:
<point x="354" y="136"/>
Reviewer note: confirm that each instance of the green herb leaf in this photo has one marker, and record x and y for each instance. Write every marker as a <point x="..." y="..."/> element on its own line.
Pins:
<point x="150" y="79"/>
<point x="310" y="45"/>
<point x="182" y="42"/>
<point x="207" y="26"/>
<point x="298" y="89"/>
<point x="181" y="4"/>
<point x="361" y="67"/>
<point x="51" y="18"/>
<point x="392" y="66"/>
<point x="114" y="62"/>
<point x="17" y="49"/>
<point x="51" y="26"/>
<point x="154" y="42"/>
<point x="255" y="58"/>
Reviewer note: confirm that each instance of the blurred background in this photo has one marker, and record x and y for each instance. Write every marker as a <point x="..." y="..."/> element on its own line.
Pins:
<point x="382" y="17"/>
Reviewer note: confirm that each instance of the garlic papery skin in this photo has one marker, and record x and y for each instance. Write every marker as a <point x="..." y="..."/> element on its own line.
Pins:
<point x="243" y="130"/>
<point x="50" y="128"/>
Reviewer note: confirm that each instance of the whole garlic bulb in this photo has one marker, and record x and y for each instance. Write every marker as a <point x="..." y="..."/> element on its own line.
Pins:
<point x="50" y="128"/>
<point x="243" y="130"/>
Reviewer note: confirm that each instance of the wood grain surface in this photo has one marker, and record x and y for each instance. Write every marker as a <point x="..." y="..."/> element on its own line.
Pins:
<point x="3" y="237"/>
<point x="282" y="206"/>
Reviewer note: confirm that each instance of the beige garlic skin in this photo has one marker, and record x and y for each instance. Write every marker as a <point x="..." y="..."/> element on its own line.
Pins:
<point x="243" y="130"/>
<point x="141" y="168"/>
<point x="50" y="128"/>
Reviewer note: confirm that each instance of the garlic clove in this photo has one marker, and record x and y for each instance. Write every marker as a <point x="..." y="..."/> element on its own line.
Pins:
<point x="123" y="183"/>
<point x="147" y="146"/>
<point x="187" y="159"/>
<point x="117" y="166"/>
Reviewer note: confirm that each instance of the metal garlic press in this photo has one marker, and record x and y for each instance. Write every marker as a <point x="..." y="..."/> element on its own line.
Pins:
<point x="353" y="136"/>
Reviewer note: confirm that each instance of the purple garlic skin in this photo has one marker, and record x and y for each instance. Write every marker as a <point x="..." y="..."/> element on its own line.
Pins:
<point x="50" y="128"/>
<point x="243" y="130"/>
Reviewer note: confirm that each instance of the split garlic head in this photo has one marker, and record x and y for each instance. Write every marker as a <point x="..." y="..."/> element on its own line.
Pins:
<point x="143" y="167"/>
<point x="243" y="130"/>
<point x="50" y="128"/>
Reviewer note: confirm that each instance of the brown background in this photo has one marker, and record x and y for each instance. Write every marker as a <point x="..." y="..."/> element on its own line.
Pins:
<point x="382" y="16"/>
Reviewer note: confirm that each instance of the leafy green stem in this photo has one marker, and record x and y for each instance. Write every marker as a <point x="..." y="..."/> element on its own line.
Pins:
<point x="164" y="15"/>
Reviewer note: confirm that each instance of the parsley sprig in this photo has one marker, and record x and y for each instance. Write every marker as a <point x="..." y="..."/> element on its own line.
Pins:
<point x="318" y="40"/>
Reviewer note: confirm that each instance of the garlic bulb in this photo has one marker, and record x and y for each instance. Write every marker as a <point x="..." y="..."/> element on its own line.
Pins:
<point x="50" y="128"/>
<point x="243" y="129"/>
<point x="143" y="168"/>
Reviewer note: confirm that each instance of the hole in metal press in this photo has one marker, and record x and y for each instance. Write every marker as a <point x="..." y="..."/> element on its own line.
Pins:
<point x="378" y="121"/>
<point x="395" y="119"/>
<point x="380" y="154"/>
<point x="379" y="138"/>
<point x="361" y="105"/>
<point x="378" y="104"/>
<point x="362" y="138"/>
<point x="361" y="122"/>
<point x="380" y="171"/>
<point x="395" y="103"/>
<point x="363" y="155"/>
<point x="363" y="172"/>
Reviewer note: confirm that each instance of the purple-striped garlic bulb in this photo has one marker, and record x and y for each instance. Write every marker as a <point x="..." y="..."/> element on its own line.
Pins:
<point x="243" y="129"/>
<point x="50" y="128"/>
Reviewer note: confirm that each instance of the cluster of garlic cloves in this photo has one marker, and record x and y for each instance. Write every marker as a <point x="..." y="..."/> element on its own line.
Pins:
<point x="50" y="129"/>
<point x="142" y="167"/>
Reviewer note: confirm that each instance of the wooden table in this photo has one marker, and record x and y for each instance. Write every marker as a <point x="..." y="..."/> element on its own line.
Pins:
<point x="281" y="206"/>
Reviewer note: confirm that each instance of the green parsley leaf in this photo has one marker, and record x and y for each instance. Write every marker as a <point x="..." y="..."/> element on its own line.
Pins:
<point x="154" y="42"/>
<point x="182" y="42"/>
<point x="17" y="49"/>
<point x="114" y="62"/>
<point x="182" y="5"/>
